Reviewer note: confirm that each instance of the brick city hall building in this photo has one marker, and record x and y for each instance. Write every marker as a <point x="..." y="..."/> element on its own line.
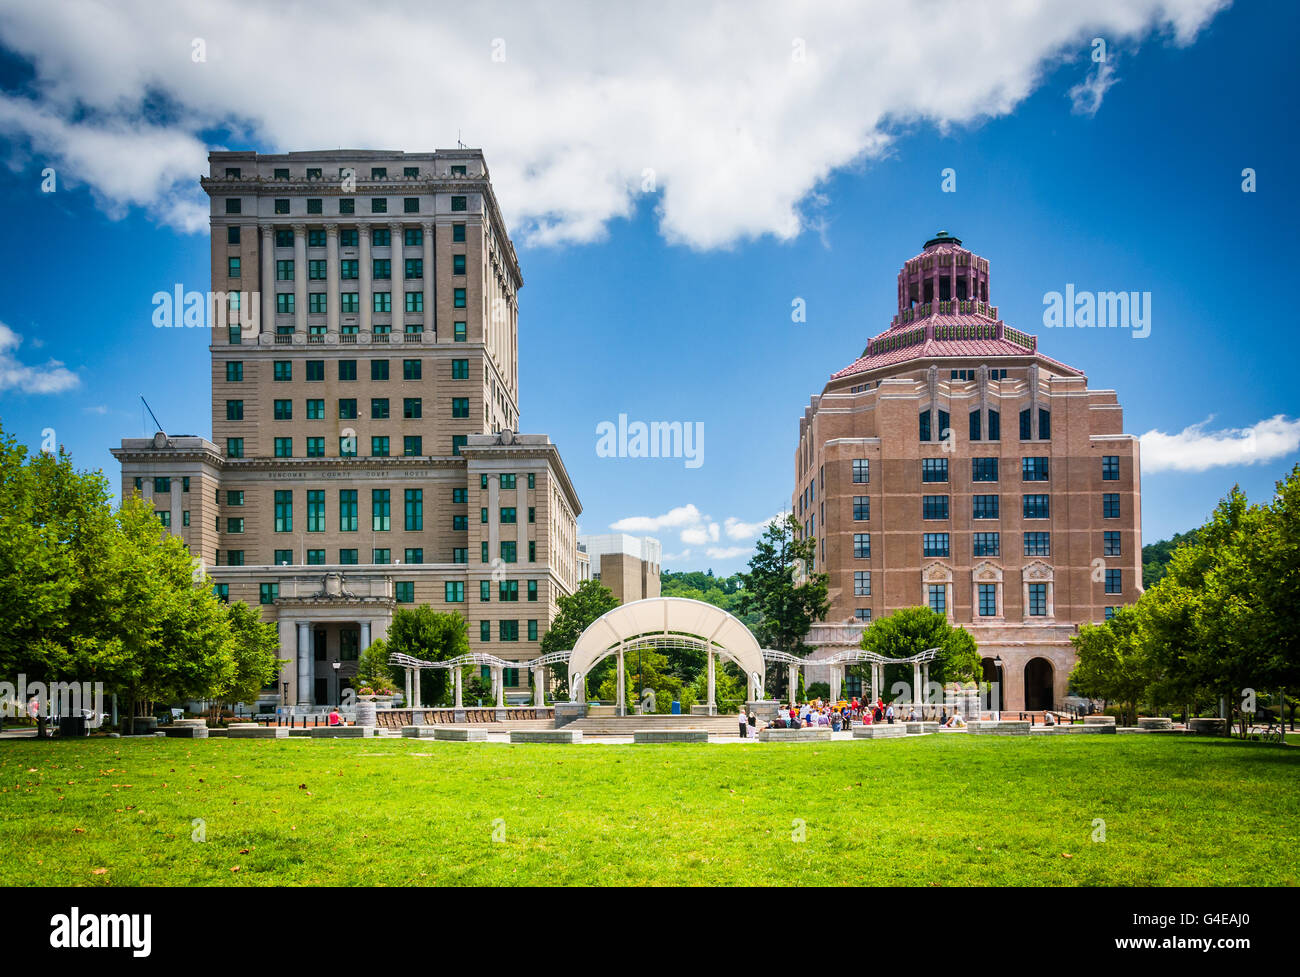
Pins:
<point x="955" y="466"/>
<point x="365" y="391"/>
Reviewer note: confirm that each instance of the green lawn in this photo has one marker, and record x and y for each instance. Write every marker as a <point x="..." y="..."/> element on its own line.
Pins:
<point x="946" y="810"/>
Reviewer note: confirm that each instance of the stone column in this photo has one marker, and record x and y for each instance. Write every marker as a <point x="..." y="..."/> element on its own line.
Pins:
<point x="918" y="690"/>
<point x="619" y="685"/>
<point x="499" y="678"/>
<point x="837" y="675"/>
<point x="409" y="700"/>
<point x="925" y="682"/>
<point x="365" y="635"/>
<point x="430" y="322"/>
<point x="399" y="277"/>
<point x="415" y="701"/>
<point x="267" y="280"/>
<point x="300" y="278"/>
<point x="332" y="278"/>
<point x="456" y="686"/>
<point x="539" y="690"/>
<point x="305" y="663"/>
<point x="366" y="287"/>
<point x="794" y="684"/>
<point x="875" y="682"/>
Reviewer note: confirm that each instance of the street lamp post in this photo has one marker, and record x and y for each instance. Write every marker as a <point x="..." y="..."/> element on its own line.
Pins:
<point x="997" y="664"/>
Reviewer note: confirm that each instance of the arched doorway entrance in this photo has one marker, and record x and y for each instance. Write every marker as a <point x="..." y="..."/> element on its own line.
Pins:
<point x="992" y="673"/>
<point x="1038" y="685"/>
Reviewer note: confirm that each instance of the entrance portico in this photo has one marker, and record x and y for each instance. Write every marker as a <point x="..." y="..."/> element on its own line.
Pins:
<point x="328" y="620"/>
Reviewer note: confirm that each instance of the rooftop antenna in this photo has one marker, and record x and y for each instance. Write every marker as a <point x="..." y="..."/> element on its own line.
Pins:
<point x="459" y="144"/>
<point x="157" y="422"/>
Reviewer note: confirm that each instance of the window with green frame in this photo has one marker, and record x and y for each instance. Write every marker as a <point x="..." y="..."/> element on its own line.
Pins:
<point x="315" y="558"/>
<point x="348" y="510"/>
<point x="283" y="511"/>
<point x="508" y="514"/>
<point x="315" y="447"/>
<point x="404" y="591"/>
<point x="282" y="370"/>
<point x="234" y="447"/>
<point x="460" y="407"/>
<point x="267" y="593"/>
<point x="234" y="410"/>
<point x="411" y="370"/>
<point x="460" y="369"/>
<point x="348" y="557"/>
<point x="454" y="592"/>
<point x="532" y="630"/>
<point x="460" y="554"/>
<point x="316" y="409"/>
<point x="379" y="446"/>
<point x="412" y="445"/>
<point x="532" y="551"/>
<point x="509" y="551"/>
<point x="485" y="631"/>
<point x="413" y="501"/>
<point x="532" y="590"/>
<point x="284" y="447"/>
<point x="459" y="333"/>
<point x="459" y="496"/>
<point x="222" y="590"/>
<point x="485" y="590"/>
<point x="508" y="591"/>
<point x="508" y="630"/>
<point x="483" y="551"/>
<point x="508" y="481"/>
<point x="234" y="371"/>
<point x="532" y="480"/>
<point x="316" y="510"/>
<point x="283" y="557"/>
<point x="458" y="441"/>
<point x="458" y="264"/>
<point x="381" y="556"/>
<point x="379" y="408"/>
<point x="414" y="554"/>
<point x="380" y="510"/>
<point x="283" y="410"/>
<point x="457" y="233"/>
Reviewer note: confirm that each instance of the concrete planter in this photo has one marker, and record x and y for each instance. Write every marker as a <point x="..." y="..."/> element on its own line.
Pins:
<point x="366" y="710"/>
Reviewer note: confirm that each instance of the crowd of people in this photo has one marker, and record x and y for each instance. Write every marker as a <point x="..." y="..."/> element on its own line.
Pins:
<point x="841" y="715"/>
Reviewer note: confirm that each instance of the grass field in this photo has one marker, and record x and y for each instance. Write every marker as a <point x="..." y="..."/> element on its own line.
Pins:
<point x="946" y="810"/>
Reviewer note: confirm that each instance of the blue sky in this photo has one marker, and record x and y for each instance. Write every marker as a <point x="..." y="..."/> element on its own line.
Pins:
<point x="674" y="305"/>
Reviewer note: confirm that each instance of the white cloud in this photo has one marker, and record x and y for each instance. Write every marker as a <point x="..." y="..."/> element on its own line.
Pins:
<point x="1194" y="449"/>
<point x="727" y="552"/>
<point x="50" y="378"/>
<point x="1086" y="97"/>
<point x="747" y="530"/>
<point x="674" y="557"/>
<point x="99" y="409"/>
<point x="683" y="515"/>
<point x="698" y="535"/>
<point x="710" y="100"/>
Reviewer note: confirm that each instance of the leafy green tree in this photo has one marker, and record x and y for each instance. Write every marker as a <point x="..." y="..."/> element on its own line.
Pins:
<point x="254" y="650"/>
<point x="373" y="671"/>
<point x="1115" y="662"/>
<point x="912" y="630"/>
<point x="429" y="635"/>
<point x="1155" y="556"/>
<point x="575" y="613"/>
<point x="779" y="591"/>
<point x="53" y="519"/>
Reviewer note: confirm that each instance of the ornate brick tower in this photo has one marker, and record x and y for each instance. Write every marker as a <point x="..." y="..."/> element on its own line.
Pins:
<point x="955" y="466"/>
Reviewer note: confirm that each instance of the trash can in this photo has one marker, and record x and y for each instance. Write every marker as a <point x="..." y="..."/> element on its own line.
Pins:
<point x="677" y="708"/>
<point x="72" y="726"/>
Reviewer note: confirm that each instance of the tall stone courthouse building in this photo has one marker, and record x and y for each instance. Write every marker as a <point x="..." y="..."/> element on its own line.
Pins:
<point x="955" y="466"/>
<point x="365" y="399"/>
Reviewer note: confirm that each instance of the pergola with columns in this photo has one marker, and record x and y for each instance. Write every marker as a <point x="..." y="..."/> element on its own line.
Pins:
<point x="920" y="663"/>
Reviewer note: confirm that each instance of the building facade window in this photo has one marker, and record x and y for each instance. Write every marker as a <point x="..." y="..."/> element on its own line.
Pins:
<point x="934" y="544"/>
<point x="861" y="546"/>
